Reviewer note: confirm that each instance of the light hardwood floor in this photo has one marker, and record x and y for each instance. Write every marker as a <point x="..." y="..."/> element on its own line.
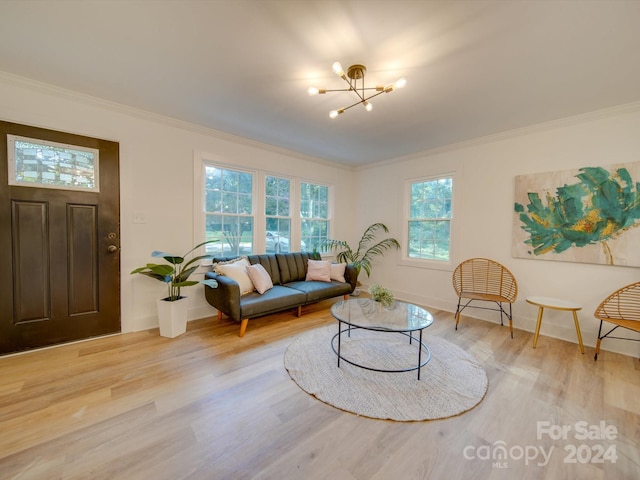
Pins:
<point x="211" y="405"/>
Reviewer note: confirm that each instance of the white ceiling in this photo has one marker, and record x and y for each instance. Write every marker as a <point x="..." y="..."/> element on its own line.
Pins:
<point x="474" y="68"/>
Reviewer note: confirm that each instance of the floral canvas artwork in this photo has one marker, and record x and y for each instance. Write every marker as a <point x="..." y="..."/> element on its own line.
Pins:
<point x="589" y="215"/>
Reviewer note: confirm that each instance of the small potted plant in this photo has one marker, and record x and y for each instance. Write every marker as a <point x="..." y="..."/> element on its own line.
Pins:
<point x="173" y="309"/>
<point x="380" y="294"/>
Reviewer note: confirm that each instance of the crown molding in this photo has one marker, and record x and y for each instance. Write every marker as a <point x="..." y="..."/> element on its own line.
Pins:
<point x="609" y="112"/>
<point x="41" y="87"/>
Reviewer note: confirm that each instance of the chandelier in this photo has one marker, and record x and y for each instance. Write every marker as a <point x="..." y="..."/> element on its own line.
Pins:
<point x="355" y="79"/>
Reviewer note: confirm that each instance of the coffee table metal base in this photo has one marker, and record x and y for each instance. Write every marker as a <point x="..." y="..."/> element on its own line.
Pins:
<point x="421" y="346"/>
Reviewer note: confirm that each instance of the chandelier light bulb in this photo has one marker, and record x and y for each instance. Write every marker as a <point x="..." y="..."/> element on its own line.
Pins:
<point x="400" y="82"/>
<point x="335" y="113"/>
<point x="368" y="106"/>
<point x="313" y="91"/>
<point x="337" y="68"/>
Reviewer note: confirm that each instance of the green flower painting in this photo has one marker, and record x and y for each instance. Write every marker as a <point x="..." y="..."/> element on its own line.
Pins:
<point x="597" y="207"/>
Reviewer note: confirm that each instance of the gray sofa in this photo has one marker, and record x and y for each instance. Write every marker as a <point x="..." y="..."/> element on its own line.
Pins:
<point x="290" y="289"/>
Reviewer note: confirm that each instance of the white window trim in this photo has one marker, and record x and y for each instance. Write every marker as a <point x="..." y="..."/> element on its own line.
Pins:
<point x="256" y="190"/>
<point x="407" y="261"/>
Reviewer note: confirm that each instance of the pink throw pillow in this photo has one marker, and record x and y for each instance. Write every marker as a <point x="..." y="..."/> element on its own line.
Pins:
<point x="260" y="278"/>
<point x="319" y="270"/>
<point x="337" y="271"/>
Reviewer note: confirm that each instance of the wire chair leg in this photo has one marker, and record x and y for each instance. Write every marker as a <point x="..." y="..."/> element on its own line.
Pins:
<point x="458" y="312"/>
<point x="511" y="321"/>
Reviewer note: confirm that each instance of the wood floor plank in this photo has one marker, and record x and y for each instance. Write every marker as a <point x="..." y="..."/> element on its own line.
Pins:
<point x="211" y="405"/>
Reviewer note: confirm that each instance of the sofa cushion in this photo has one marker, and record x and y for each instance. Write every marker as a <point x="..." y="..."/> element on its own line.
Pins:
<point x="293" y="266"/>
<point x="273" y="300"/>
<point x="260" y="278"/>
<point x="316" y="291"/>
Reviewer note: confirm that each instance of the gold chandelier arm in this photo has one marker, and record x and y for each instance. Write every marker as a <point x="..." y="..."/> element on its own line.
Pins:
<point x="373" y="96"/>
<point x="378" y="88"/>
<point x="364" y="100"/>
<point x="361" y="102"/>
<point x="353" y="105"/>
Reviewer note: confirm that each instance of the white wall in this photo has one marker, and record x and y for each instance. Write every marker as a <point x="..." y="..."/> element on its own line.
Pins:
<point x="483" y="209"/>
<point x="157" y="175"/>
<point x="157" y="178"/>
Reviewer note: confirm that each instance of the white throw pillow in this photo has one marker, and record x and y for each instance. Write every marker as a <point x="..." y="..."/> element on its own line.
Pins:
<point x="228" y="262"/>
<point x="319" y="270"/>
<point x="337" y="271"/>
<point x="238" y="272"/>
<point x="260" y="278"/>
<point x="244" y="261"/>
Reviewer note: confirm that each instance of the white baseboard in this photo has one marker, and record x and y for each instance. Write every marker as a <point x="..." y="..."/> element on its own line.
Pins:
<point x="525" y="318"/>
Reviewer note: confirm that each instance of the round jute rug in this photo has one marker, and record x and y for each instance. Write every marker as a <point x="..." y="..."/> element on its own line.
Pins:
<point x="451" y="383"/>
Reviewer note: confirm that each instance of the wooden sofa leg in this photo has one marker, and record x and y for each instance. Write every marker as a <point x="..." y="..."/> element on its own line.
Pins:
<point x="299" y="310"/>
<point x="243" y="326"/>
<point x="219" y="315"/>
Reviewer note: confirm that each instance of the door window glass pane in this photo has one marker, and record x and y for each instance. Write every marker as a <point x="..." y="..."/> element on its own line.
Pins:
<point x="44" y="164"/>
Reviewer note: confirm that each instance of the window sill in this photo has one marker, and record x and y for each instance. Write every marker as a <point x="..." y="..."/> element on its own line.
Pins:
<point x="426" y="264"/>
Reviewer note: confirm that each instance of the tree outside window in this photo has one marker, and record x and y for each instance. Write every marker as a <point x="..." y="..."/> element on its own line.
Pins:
<point x="430" y="216"/>
<point x="314" y="215"/>
<point x="229" y="211"/>
<point x="277" y="213"/>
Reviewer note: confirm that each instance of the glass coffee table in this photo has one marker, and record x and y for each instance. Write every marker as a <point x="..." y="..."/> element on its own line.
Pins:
<point x="401" y="318"/>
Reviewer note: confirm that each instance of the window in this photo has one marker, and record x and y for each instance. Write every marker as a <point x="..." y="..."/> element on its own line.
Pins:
<point x="277" y="214"/>
<point x="43" y="164"/>
<point x="430" y="216"/>
<point x="314" y="215"/>
<point x="253" y="212"/>
<point x="229" y="211"/>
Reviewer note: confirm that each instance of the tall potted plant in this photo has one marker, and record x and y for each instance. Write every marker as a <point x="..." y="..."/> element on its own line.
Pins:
<point x="173" y="309"/>
<point x="362" y="257"/>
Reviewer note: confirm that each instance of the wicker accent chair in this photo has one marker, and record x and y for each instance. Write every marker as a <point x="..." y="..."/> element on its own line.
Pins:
<point x="622" y="309"/>
<point x="482" y="279"/>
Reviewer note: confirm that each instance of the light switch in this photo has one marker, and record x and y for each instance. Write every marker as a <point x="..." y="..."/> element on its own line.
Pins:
<point x="139" y="217"/>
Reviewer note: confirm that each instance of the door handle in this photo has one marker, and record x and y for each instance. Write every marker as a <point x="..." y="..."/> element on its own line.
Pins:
<point x="112" y="249"/>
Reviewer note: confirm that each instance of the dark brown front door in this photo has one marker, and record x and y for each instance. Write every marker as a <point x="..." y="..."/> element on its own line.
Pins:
<point x="60" y="278"/>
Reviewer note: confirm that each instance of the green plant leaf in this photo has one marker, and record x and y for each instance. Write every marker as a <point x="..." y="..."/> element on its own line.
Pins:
<point x="177" y="273"/>
<point x="174" y="259"/>
<point x="364" y="255"/>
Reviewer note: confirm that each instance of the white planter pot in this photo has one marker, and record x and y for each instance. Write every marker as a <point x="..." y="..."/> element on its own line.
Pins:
<point x="172" y="317"/>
